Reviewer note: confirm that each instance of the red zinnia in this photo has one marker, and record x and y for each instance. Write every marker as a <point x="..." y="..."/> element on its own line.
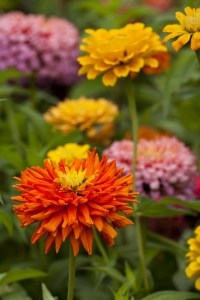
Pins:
<point x="69" y="200"/>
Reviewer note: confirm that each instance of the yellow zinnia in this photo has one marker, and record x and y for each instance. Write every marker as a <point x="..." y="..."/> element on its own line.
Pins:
<point x="188" y="29"/>
<point x="193" y="268"/>
<point x="68" y="152"/>
<point x="120" y="52"/>
<point x="95" y="117"/>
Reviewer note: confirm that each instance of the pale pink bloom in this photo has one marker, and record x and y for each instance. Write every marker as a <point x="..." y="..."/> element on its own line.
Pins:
<point x="49" y="47"/>
<point x="165" y="166"/>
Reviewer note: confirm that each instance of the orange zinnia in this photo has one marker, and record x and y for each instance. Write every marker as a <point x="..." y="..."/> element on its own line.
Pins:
<point x="69" y="200"/>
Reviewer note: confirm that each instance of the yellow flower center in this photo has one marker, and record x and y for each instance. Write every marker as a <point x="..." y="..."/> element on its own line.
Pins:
<point x="192" y="23"/>
<point x="73" y="179"/>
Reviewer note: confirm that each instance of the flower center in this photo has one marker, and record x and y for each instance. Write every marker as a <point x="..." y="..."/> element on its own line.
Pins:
<point x="192" y="23"/>
<point x="73" y="180"/>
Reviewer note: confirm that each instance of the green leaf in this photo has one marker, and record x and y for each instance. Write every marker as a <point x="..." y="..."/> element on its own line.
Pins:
<point x="6" y="220"/>
<point x="14" y="291"/>
<point x="151" y="208"/>
<point x="12" y="155"/>
<point x="46" y="294"/>
<point x="169" y="295"/>
<point x="177" y="74"/>
<point x="20" y="274"/>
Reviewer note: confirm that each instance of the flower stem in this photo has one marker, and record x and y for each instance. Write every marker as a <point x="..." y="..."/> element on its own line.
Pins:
<point x="71" y="280"/>
<point x="134" y="124"/>
<point x="12" y="122"/>
<point x="198" y="56"/>
<point x="100" y="246"/>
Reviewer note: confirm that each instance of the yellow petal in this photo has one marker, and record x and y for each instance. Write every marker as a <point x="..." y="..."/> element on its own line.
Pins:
<point x="136" y="64"/>
<point x="151" y="62"/>
<point x="109" y="78"/>
<point x="180" y="17"/>
<point x="92" y="74"/>
<point x="181" y="41"/>
<point x="197" y="284"/>
<point x="121" y="71"/>
<point x="171" y="36"/>
<point x="189" y="11"/>
<point x="173" y="28"/>
<point x="195" y="41"/>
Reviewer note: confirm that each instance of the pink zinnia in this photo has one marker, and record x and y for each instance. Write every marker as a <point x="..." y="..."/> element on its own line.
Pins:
<point x="196" y="181"/>
<point x="165" y="166"/>
<point x="33" y="43"/>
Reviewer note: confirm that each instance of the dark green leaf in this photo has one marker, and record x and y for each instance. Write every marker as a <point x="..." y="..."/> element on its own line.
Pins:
<point x="20" y="274"/>
<point x="169" y="295"/>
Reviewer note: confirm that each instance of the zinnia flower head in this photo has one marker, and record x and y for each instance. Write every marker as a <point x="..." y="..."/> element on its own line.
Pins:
<point x="69" y="152"/>
<point x="188" y="29"/>
<point x="193" y="269"/>
<point x="93" y="116"/>
<point x="196" y="181"/>
<point x="49" y="47"/>
<point x="120" y="52"/>
<point x="70" y="200"/>
<point x="164" y="166"/>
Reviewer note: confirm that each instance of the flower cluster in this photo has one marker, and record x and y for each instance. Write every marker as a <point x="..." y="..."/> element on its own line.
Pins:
<point x="165" y="166"/>
<point x="69" y="200"/>
<point x="193" y="269"/>
<point x="68" y="152"/>
<point x="33" y="43"/>
<point x="187" y="30"/>
<point x="121" y="52"/>
<point x="93" y="116"/>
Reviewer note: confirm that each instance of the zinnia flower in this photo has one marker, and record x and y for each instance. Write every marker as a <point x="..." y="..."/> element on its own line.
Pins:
<point x="68" y="152"/>
<point x="95" y="117"/>
<point x="196" y="181"/>
<point x="164" y="166"/>
<point x="49" y="47"/>
<point x="193" y="269"/>
<point x="187" y="30"/>
<point x="70" y="200"/>
<point x="120" y="52"/>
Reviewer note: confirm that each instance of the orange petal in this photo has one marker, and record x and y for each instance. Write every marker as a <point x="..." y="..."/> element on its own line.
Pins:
<point x="53" y="223"/>
<point x="58" y="241"/>
<point x="87" y="239"/>
<point x="98" y="223"/>
<point x="75" y="244"/>
<point x="49" y="242"/>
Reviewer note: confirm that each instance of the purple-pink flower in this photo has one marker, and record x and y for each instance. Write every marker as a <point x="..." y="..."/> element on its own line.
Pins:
<point x="165" y="166"/>
<point x="49" y="47"/>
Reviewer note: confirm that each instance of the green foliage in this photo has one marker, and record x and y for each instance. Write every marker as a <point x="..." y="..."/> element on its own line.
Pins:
<point x="169" y="101"/>
<point x="20" y="274"/>
<point x="175" y="295"/>
<point x="46" y="294"/>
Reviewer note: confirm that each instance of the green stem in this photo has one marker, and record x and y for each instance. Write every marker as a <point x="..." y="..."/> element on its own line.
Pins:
<point x="12" y="122"/>
<point x="71" y="280"/>
<point x="134" y="124"/>
<point x="198" y="56"/>
<point x="100" y="246"/>
<point x="165" y="240"/>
